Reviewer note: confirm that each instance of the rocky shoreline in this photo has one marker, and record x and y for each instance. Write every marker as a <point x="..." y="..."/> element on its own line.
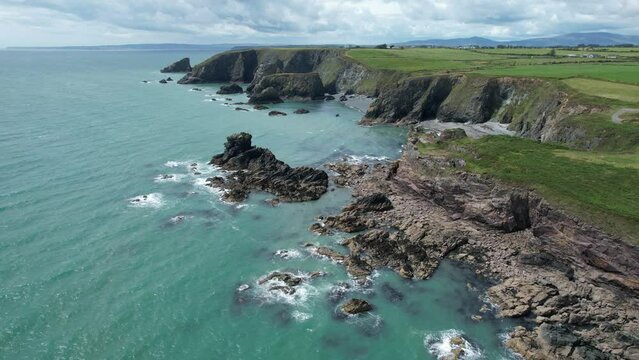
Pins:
<point x="574" y="286"/>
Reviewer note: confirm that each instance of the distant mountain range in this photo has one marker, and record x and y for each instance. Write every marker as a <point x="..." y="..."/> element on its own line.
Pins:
<point x="574" y="39"/>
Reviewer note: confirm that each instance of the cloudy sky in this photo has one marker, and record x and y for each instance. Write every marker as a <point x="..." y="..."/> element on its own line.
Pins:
<point x="92" y="22"/>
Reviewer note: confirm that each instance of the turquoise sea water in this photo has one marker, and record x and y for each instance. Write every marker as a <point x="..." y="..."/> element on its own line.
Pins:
<point x="85" y="274"/>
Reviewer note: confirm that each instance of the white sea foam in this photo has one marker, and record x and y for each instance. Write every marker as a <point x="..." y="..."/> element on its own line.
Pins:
<point x="303" y="292"/>
<point x="288" y="254"/>
<point x="153" y="200"/>
<point x="169" y="178"/>
<point x="362" y="159"/>
<point x="439" y="344"/>
<point x="174" y="164"/>
<point x="178" y="219"/>
<point x="301" y="316"/>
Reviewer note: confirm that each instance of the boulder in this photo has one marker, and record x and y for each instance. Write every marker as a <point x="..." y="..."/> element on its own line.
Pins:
<point x="452" y="134"/>
<point x="266" y="96"/>
<point x="276" y="113"/>
<point x="356" y="306"/>
<point x="373" y="202"/>
<point x="230" y="89"/>
<point x="183" y="65"/>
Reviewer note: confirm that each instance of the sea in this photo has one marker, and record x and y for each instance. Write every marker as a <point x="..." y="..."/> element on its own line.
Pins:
<point x="112" y="247"/>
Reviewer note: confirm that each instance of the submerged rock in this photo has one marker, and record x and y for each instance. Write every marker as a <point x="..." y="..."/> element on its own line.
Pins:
<point x="183" y="65"/>
<point x="261" y="170"/>
<point x="356" y="306"/>
<point x="301" y="111"/>
<point x="260" y="107"/>
<point x="230" y="89"/>
<point x="276" y="113"/>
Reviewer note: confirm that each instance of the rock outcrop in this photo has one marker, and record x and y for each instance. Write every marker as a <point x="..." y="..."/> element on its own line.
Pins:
<point x="230" y="89"/>
<point x="258" y="169"/>
<point x="356" y="306"/>
<point x="294" y="86"/>
<point x="575" y="287"/>
<point x="183" y="65"/>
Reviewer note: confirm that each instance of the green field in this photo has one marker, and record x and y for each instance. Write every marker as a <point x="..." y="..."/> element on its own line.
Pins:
<point x="502" y="62"/>
<point x="599" y="187"/>
<point x="617" y="72"/>
<point x="610" y="90"/>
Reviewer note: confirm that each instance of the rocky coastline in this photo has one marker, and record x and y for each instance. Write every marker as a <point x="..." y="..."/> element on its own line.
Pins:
<point x="574" y="287"/>
<point x="532" y="108"/>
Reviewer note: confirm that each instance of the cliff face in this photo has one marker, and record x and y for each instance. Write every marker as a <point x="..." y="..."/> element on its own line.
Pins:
<point x="292" y="85"/>
<point x="251" y="66"/>
<point x="533" y="108"/>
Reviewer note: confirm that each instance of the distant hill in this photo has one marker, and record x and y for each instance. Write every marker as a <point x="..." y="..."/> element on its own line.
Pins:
<point x="593" y="38"/>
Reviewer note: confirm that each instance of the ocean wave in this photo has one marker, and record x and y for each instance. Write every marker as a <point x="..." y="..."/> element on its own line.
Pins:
<point x="363" y="159"/>
<point x="169" y="178"/>
<point x="153" y="200"/>
<point x="445" y="344"/>
<point x="288" y="254"/>
<point x="266" y="291"/>
<point x="174" y="164"/>
<point x="301" y="316"/>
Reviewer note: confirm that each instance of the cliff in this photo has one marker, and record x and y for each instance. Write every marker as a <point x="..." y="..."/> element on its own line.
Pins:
<point x="534" y="108"/>
<point x="336" y="73"/>
<point x="183" y="65"/>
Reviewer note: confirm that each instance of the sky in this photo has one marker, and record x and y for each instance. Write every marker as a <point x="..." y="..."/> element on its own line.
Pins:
<point x="102" y="22"/>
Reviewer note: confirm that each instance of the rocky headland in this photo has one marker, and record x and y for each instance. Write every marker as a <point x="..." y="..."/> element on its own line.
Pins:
<point x="574" y="287"/>
<point x="255" y="168"/>
<point x="532" y="108"/>
<point x="179" y="66"/>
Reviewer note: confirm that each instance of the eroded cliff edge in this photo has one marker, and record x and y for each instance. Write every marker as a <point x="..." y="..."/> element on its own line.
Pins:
<point x="532" y="108"/>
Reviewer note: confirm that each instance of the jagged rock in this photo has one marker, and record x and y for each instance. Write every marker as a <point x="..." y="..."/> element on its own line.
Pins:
<point x="266" y="96"/>
<point x="261" y="170"/>
<point x="356" y="306"/>
<point x="230" y="89"/>
<point x="183" y="65"/>
<point x="329" y="253"/>
<point x="169" y="79"/>
<point x="373" y="202"/>
<point x="287" y="278"/>
<point x="297" y="86"/>
<point x="163" y="81"/>
<point x="452" y="134"/>
<point x="276" y="113"/>
<point x="343" y="98"/>
<point x="301" y="111"/>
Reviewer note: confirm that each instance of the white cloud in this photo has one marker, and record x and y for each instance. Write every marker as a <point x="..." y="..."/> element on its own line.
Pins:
<point x="82" y="22"/>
